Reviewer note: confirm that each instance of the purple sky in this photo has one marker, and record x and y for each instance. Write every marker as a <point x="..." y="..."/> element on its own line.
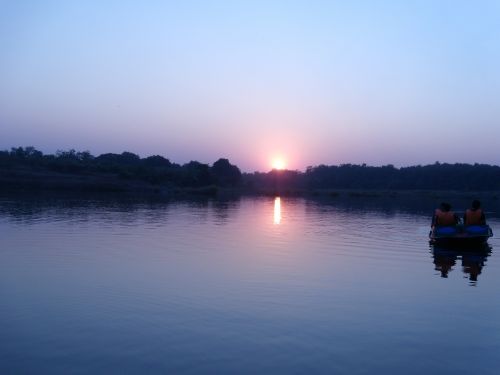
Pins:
<point x="310" y="82"/>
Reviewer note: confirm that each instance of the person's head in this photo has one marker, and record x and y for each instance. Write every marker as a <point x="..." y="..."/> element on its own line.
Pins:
<point x="445" y="207"/>
<point x="476" y="204"/>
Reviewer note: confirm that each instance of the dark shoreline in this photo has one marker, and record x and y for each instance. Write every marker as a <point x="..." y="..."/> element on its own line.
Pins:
<point x="114" y="186"/>
<point x="39" y="183"/>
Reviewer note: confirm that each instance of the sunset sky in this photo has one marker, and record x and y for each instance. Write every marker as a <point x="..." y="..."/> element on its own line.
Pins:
<point x="304" y="82"/>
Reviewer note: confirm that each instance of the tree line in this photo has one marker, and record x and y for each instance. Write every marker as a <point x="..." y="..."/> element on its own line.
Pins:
<point x="437" y="176"/>
<point x="157" y="170"/>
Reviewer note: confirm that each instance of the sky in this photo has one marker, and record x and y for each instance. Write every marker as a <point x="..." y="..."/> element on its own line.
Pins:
<point x="306" y="82"/>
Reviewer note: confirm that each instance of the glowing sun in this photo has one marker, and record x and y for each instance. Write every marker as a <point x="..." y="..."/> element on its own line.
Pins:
<point x="278" y="164"/>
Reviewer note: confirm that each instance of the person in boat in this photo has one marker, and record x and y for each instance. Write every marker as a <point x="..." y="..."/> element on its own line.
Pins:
<point x="444" y="216"/>
<point x="474" y="215"/>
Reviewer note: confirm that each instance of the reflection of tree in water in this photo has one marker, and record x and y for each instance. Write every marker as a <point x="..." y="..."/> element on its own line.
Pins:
<point x="224" y="208"/>
<point x="473" y="260"/>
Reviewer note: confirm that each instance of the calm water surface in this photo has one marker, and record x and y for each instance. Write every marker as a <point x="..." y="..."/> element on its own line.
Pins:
<point x="255" y="285"/>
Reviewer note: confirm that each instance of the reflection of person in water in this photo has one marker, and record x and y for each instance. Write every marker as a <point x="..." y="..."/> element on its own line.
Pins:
<point x="472" y="264"/>
<point x="444" y="262"/>
<point x="473" y="260"/>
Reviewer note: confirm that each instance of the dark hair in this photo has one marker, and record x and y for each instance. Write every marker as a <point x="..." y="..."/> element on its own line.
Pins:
<point x="476" y="204"/>
<point x="445" y="206"/>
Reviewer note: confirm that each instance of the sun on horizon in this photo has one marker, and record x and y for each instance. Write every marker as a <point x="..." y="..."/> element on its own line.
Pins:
<point x="278" y="163"/>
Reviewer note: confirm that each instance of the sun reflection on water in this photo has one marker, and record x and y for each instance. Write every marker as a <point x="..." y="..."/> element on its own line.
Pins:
<point x="277" y="210"/>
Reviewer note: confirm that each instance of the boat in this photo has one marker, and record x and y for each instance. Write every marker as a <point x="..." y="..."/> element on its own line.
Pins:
<point x="460" y="235"/>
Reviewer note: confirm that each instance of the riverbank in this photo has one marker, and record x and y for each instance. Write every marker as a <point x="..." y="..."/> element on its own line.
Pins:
<point x="28" y="180"/>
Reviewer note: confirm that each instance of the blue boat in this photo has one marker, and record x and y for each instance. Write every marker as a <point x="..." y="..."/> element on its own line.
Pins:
<point x="460" y="235"/>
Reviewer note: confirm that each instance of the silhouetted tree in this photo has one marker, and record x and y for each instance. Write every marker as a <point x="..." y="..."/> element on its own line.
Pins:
<point x="160" y="171"/>
<point x="225" y="173"/>
<point x="125" y="158"/>
<point x="156" y="161"/>
<point x="196" y="174"/>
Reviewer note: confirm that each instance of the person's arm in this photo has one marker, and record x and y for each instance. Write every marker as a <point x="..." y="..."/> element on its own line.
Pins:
<point x="483" y="218"/>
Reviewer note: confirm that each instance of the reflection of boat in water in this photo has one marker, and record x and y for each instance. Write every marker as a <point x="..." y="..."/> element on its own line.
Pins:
<point x="473" y="259"/>
<point x="459" y="235"/>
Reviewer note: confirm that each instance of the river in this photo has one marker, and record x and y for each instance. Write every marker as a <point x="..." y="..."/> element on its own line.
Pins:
<point x="246" y="285"/>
